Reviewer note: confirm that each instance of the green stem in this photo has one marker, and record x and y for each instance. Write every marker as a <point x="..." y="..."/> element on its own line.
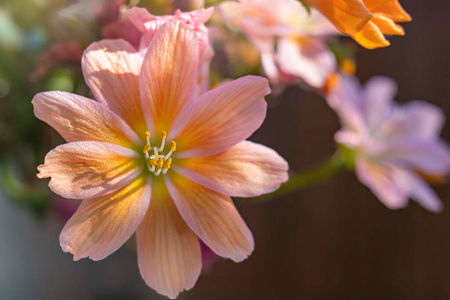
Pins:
<point x="304" y="179"/>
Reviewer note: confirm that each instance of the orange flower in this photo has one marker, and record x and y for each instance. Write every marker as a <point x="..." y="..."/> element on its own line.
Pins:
<point x="366" y="21"/>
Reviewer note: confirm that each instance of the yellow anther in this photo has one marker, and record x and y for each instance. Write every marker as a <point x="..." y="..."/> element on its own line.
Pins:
<point x="154" y="162"/>
<point x="147" y="134"/>
<point x="168" y="163"/>
<point x="160" y="163"/>
<point x="146" y="148"/>
<point x="164" y="135"/>
<point x="348" y="66"/>
<point x="331" y="83"/>
<point x="174" y="145"/>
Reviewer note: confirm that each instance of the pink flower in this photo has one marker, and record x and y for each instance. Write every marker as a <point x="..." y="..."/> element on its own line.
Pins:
<point x="391" y="143"/>
<point x="148" y="24"/>
<point x="291" y="40"/>
<point x="172" y="188"/>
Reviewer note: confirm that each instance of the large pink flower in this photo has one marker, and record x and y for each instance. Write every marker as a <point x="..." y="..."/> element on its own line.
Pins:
<point x="171" y="184"/>
<point x="391" y="144"/>
<point x="291" y="40"/>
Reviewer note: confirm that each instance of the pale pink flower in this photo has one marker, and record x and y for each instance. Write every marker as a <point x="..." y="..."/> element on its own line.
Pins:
<point x="172" y="188"/>
<point x="291" y="40"/>
<point x="392" y="144"/>
<point x="148" y="24"/>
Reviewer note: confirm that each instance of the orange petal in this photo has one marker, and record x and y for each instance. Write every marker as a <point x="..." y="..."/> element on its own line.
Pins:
<point x="169" y="254"/>
<point x="387" y="26"/>
<point x="245" y="170"/>
<point x="82" y="170"/>
<point x="393" y="10"/>
<point x="81" y="119"/>
<point x="349" y="16"/>
<point x="111" y="69"/>
<point x="101" y="225"/>
<point x="168" y="79"/>
<point x="371" y="5"/>
<point x="224" y="117"/>
<point x="371" y="37"/>
<point x="213" y="217"/>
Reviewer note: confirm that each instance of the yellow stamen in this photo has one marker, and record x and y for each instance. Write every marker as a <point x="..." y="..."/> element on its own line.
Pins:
<point x="147" y="134"/>
<point x="348" y="66"/>
<point x="154" y="162"/>
<point x="160" y="163"/>
<point x="146" y="148"/>
<point x="164" y="135"/>
<point x="331" y="83"/>
<point x="168" y="163"/>
<point x="174" y="145"/>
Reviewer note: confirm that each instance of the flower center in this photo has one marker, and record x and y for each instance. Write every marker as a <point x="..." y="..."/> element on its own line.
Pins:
<point x="157" y="161"/>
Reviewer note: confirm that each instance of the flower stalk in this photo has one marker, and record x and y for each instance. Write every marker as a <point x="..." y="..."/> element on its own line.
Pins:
<point x="304" y="179"/>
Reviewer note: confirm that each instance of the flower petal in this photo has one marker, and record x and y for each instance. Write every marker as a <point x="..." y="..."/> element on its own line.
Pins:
<point x="380" y="180"/>
<point x="387" y="26"/>
<point x="370" y="37"/>
<point x="213" y="217"/>
<point x="349" y="16"/>
<point x="168" y="80"/>
<point x="377" y="100"/>
<point x="245" y="170"/>
<point x="111" y="69"/>
<point x="78" y="118"/>
<point x="101" y="225"/>
<point x="423" y="119"/>
<point x="169" y="255"/>
<point x="390" y="9"/>
<point x="419" y="190"/>
<point x="82" y="170"/>
<point x="224" y="117"/>
<point x="309" y="59"/>
<point x="429" y="156"/>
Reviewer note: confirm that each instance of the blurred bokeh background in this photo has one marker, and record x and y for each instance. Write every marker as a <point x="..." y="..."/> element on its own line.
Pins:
<point x="333" y="240"/>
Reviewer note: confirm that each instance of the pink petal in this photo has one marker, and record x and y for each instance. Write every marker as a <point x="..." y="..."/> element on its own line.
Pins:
<point x="224" y="117"/>
<point x="168" y="80"/>
<point x="245" y="170"/>
<point x="81" y="119"/>
<point x="82" y="170"/>
<point x="169" y="254"/>
<point x="309" y="58"/>
<point x="419" y="190"/>
<point x="347" y="92"/>
<point x="382" y="183"/>
<point x="423" y="119"/>
<point x="213" y="217"/>
<point x="101" y="225"/>
<point x="143" y="19"/>
<point x="111" y="69"/>
<point x="429" y="156"/>
<point x="377" y="100"/>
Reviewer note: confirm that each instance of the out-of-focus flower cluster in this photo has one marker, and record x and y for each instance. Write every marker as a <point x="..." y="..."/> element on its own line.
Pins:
<point x="165" y="71"/>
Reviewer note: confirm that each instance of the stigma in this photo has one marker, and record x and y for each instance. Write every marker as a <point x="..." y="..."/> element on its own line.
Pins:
<point x="157" y="161"/>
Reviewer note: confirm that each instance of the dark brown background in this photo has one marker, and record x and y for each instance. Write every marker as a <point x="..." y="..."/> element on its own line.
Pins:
<point x="334" y="240"/>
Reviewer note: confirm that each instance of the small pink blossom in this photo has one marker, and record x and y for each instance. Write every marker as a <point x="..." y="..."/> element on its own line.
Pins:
<point x="291" y="40"/>
<point x="148" y="24"/>
<point x="392" y="144"/>
<point x="150" y="156"/>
